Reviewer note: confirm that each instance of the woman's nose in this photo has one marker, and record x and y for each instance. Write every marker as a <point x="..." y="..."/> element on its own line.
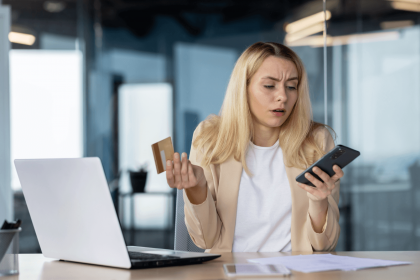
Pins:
<point x="281" y="94"/>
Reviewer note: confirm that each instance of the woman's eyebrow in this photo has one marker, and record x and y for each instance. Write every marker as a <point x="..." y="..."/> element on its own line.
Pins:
<point x="277" y="80"/>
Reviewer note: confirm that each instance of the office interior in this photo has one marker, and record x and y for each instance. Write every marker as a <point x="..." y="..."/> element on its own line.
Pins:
<point x="108" y="78"/>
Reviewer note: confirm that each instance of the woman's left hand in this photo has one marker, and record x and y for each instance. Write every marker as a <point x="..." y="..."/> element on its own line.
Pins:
<point x="323" y="189"/>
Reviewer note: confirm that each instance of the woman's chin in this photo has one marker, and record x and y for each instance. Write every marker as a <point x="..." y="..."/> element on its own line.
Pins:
<point x="274" y="124"/>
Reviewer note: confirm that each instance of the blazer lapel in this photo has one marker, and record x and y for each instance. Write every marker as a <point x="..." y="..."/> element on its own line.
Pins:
<point x="227" y="200"/>
<point x="300" y="241"/>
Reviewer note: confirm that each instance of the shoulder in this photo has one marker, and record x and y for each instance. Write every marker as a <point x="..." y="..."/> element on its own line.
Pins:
<point x="203" y="139"/>
<point x="199" y="129"/>
<point x="208" y="125"/>
<point x="323" y="137"/>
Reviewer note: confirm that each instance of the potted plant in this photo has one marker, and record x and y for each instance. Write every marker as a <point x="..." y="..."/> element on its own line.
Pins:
<point x="138" y="179"/>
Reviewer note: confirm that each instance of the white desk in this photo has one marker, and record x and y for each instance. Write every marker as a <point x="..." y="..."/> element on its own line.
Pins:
<point x="35" y="266"/>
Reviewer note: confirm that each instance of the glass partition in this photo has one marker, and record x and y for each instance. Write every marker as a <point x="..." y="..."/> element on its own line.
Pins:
<point x="72" y="61"/>
<point x="374" y="107"/>
<point x="46" y="91"/>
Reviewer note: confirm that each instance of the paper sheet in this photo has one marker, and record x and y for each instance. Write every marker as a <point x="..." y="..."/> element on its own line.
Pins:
<point x="325" y="262"/>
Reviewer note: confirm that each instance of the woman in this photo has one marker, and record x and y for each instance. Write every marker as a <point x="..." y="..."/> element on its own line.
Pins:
<point x="239" y="184"/>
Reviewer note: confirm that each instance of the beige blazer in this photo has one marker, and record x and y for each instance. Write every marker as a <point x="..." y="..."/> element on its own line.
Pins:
<point x="211" y="224"/>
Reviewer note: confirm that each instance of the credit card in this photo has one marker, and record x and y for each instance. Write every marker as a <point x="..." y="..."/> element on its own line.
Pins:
<point x="162" y="151"/>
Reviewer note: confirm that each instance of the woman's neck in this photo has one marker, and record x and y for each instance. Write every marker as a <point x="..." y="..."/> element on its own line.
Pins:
<point x="265" y="136"/>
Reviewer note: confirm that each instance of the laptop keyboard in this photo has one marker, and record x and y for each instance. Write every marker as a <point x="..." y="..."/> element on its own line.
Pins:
<point x="149" y="257"/>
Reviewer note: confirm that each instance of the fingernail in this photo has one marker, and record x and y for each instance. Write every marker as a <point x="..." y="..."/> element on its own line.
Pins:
<point x="176" y="155"/>
<point x="184" y="155"/>
<point x="308" y="175"/>
<point x="168" y="162"/>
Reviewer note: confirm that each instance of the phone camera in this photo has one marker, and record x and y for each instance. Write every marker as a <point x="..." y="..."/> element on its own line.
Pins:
<point x="338" y="154"/>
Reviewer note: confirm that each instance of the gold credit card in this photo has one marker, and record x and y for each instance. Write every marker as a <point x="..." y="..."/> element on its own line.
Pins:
<point x="162" y="151"/>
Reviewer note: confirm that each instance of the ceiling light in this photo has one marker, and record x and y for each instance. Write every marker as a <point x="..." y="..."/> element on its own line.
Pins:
<point x="54" y="7"/>
<point x="318" y="41"/>
<point x="307" y="22"/>
<point x="304" y="33"/>
<point x="396" y="24"/>
<point x="22" y="38"/>
<point x="366" y="38"/>
<point x="406" y="6"/>
<point x="313" y="41"/>
<point x="409" y="1"/>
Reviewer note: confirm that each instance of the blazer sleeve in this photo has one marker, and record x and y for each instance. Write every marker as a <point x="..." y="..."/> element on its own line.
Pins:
<point x="202" y="221"/>
<point x="327" y="239"/>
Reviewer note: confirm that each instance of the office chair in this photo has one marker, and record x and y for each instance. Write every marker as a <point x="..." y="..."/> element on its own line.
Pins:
<point x="183" y="240"/>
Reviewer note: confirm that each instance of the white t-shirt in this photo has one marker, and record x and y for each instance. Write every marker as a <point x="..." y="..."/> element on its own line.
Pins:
<point x="264" y="212"/>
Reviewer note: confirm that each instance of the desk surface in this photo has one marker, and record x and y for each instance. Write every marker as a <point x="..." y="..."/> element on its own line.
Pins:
<point x="35" y="266"/>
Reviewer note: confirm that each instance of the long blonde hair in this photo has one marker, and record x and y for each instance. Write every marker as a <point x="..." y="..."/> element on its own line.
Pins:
<point x="229" y="132"/>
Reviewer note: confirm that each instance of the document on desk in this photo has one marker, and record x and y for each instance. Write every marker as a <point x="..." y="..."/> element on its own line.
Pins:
<point x="325" y="262"/>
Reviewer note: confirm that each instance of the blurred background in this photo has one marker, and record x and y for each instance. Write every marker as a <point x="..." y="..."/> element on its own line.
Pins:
<point x="107" y="78"/>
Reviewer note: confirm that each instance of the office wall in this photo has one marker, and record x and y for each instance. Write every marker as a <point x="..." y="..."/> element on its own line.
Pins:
<point x="134" y="69"/>
<point x="137" y="67"/>
<point x="202" y="74"/>
<point x="130" y="67"/>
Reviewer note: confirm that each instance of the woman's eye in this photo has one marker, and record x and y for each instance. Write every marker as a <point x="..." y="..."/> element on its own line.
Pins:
<point x="291" y="88"/>
<point x="268" y="86"/>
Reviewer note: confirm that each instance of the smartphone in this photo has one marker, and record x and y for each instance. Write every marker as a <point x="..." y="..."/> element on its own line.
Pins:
<point x="340" y="155"/>
<point x="250" y="269"/>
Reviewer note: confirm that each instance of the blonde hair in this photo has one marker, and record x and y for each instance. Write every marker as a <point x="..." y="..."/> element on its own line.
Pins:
<point x="229" y="133"/>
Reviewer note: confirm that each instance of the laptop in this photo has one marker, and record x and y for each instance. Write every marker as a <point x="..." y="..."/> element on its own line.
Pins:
<point x="75" y="220"/>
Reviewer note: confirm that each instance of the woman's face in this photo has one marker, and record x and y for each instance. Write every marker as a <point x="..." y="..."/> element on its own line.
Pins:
<point x="273" y="91"/>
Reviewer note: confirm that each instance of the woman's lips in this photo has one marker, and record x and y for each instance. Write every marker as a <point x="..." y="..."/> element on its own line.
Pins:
<point x="278" y="114"/>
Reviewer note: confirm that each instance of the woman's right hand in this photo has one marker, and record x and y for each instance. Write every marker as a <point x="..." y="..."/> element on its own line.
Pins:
<point x="182" y="174"/>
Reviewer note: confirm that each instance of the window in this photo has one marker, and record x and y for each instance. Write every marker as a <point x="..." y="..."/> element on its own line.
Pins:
<point x="46" y="105"/>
